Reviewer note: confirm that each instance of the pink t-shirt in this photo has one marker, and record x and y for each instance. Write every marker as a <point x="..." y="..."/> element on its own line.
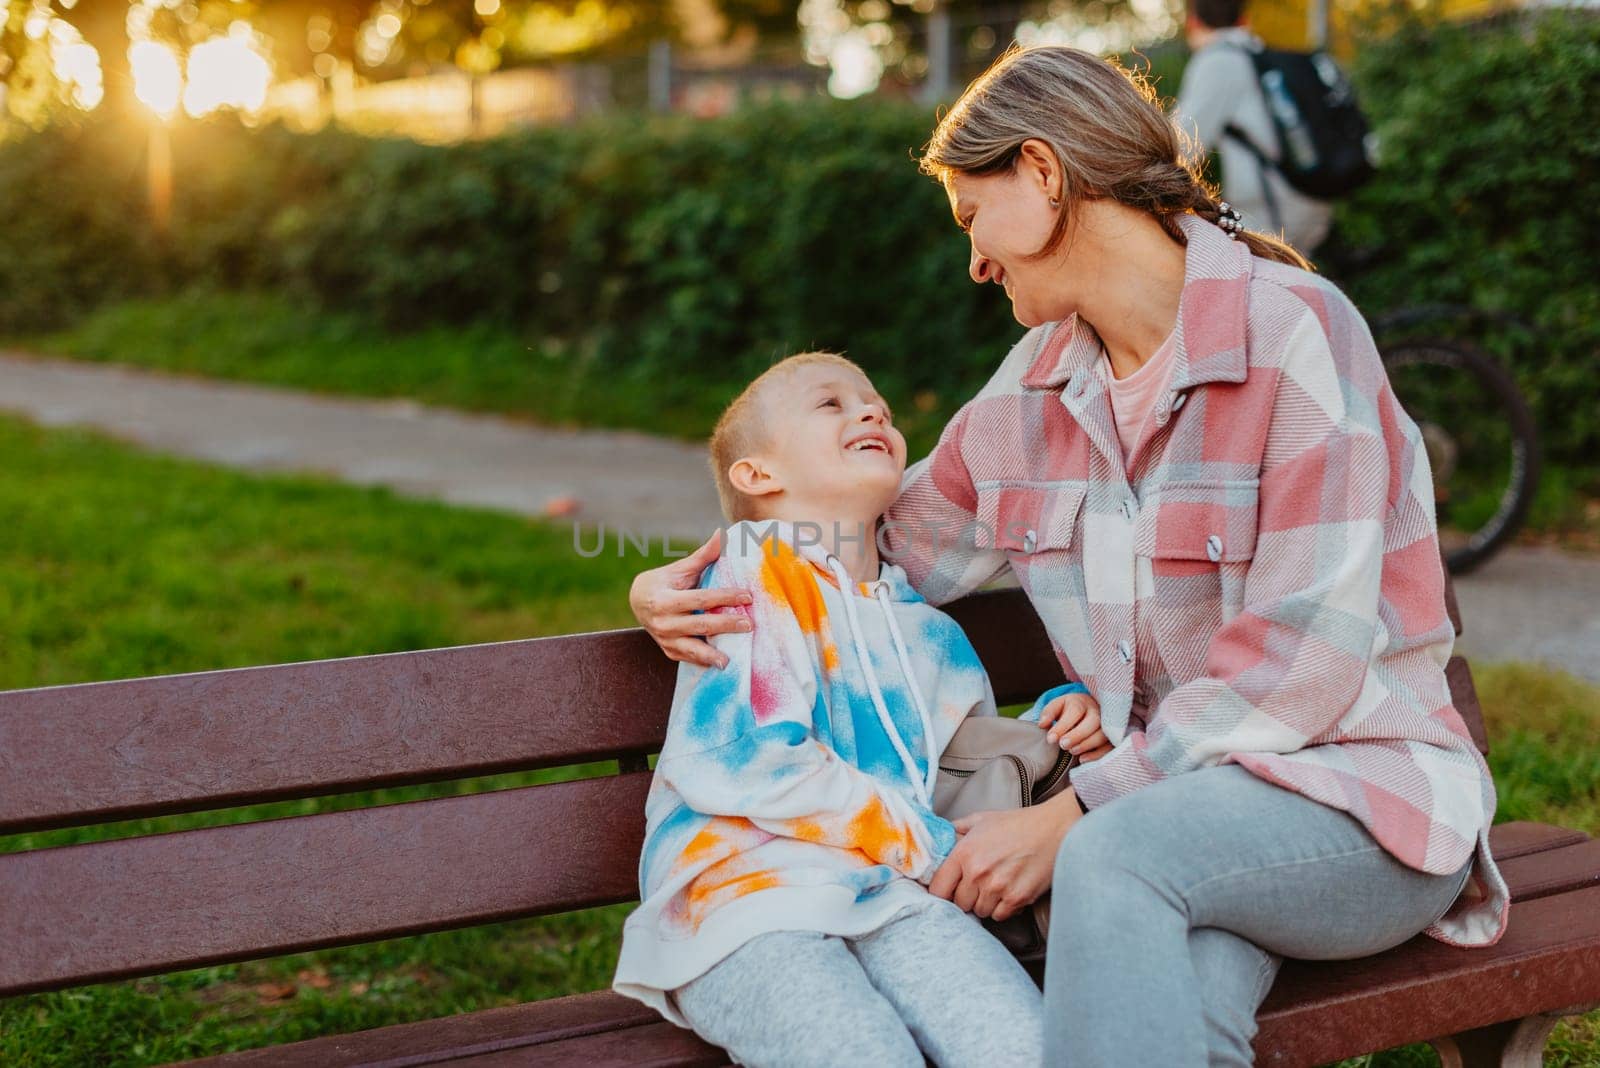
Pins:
<point x="1132" y="398"/>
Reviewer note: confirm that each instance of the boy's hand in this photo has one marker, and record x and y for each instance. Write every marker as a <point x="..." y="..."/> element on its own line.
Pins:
<point x="1073" y="722"/>
<point x="1095" y="753"/>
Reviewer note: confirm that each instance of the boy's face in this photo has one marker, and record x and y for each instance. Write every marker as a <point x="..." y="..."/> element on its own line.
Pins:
<point x="834" y="451"/>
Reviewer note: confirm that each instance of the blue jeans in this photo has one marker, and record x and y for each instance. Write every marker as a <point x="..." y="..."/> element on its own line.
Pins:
<point x="1174" y="906"/>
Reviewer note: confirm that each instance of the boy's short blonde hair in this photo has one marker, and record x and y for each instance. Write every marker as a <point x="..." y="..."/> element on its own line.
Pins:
<point x="742" y="429"/>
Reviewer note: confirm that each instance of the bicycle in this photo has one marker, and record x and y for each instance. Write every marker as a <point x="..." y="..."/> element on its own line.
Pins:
<point x="1481" y="438"/>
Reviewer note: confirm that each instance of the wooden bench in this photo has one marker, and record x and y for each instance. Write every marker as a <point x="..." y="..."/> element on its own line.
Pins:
<point x="89" y="754"/>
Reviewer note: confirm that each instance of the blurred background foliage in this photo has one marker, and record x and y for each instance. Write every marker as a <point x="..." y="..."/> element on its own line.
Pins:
<point x="677" y="250"/>
<point x="1490" y="173"/>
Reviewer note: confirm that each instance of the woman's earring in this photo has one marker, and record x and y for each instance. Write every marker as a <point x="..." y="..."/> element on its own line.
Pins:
<point x="1055" y="202"/>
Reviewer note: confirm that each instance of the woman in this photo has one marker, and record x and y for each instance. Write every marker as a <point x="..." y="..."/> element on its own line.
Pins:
<point x="1196" y="469"/>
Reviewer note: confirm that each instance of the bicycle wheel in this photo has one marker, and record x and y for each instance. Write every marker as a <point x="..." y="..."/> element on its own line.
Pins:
<point x="1481" y="440"/>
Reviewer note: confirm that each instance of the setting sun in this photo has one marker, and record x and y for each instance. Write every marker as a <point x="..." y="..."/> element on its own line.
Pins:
<point x="157" y="77"/>
<point x="227" y="72"/>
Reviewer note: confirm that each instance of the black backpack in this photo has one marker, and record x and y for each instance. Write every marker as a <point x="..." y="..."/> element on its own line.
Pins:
<point x="1322" y="135"/>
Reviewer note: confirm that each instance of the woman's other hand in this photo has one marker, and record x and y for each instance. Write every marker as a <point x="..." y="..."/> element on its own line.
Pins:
<point x="1004" y="860"/>
<point x="679" y="616"/>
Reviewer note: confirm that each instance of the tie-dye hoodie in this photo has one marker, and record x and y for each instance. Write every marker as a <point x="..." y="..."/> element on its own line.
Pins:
<point x="793" y="789"/>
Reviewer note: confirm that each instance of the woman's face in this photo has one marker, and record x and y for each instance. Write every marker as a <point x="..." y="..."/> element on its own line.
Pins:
<point x="1008" y="217"/>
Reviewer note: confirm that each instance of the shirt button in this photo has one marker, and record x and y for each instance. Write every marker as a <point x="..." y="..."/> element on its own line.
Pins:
<point x="1214" y="548"/>
<point x="1029" y="540"/>
<point x="1129" y="508"/>
<point x="1126" y="650"/>
<point x="1177" y="400"/>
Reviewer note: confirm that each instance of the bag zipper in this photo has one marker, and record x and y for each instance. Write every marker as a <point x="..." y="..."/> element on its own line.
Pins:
<point x="1048" y="783"/>
<point x="1022" y="779"/>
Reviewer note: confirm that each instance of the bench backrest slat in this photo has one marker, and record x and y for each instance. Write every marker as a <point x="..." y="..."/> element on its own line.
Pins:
<point x="118" y="750"/>
<point x="1011" y="641"/>
<point x="137" y="906"/>
<point x="1452" y="608"/>
<point x="92" y="753"/>
<point x="1464" y="695"/>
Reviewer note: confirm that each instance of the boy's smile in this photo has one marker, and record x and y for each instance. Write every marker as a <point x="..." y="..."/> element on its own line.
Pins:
<point x="833" y="451"/>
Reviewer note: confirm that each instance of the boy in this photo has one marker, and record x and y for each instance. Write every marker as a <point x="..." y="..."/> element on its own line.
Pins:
<point x="790" y="835"/>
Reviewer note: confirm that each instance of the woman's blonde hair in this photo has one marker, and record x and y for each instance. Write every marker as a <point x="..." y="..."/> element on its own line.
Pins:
<point x="1106" y="128"/>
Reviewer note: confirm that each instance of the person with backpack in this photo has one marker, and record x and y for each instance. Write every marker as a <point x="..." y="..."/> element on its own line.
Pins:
<point x="1285" y="125"/>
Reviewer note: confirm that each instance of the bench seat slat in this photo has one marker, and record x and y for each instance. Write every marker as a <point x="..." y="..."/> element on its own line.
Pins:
<point x="622" y="1032"/>
<point x="1515" y="839"/>
<point x="449" y="1038"/>
<point x="1555" y="871"/>
<point x="137" y="906"/>
<point x="1321" y="1012"/>
<point x="654" y="1045"/>
<point x="1315" y="1014"/>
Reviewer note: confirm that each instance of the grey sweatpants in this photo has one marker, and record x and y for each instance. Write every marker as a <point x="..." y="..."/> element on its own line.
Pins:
<point x="930" y="981"/>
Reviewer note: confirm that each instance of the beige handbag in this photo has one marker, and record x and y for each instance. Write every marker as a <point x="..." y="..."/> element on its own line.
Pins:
<point x="994" y="762"/>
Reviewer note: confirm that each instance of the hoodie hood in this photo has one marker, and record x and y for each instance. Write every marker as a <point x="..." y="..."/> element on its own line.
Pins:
<point x="804" y="539"/>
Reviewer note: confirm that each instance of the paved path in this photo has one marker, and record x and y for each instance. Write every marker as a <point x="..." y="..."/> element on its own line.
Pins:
<point x="1534" y="604"/>
<point x="635" y="482"/>
<point x="1526" y="604"/>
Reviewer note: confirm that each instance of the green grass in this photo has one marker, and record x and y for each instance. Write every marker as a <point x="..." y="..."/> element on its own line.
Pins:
<point x="114" y="563"/>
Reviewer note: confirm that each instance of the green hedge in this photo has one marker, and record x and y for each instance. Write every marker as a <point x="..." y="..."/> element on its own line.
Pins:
<point x="680" y="245"/>
<point x="705" y="248"/>
<point x="1488" y="195"/>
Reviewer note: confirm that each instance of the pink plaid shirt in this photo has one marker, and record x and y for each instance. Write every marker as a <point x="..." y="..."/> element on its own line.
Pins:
<point x="1261" y="585"/>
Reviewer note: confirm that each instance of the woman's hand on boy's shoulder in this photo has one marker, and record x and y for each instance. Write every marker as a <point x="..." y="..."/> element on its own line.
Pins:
<point x="679" y="616"/>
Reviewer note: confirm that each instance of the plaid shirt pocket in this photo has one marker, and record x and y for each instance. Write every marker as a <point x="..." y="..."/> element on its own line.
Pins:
<point x="1213" y="521"/>
<point x="1030" y="517"/>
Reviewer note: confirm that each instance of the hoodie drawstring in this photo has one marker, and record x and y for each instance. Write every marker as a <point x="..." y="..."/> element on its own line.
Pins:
<point x="911" y="684"/>
<point x="922" y="783"/>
